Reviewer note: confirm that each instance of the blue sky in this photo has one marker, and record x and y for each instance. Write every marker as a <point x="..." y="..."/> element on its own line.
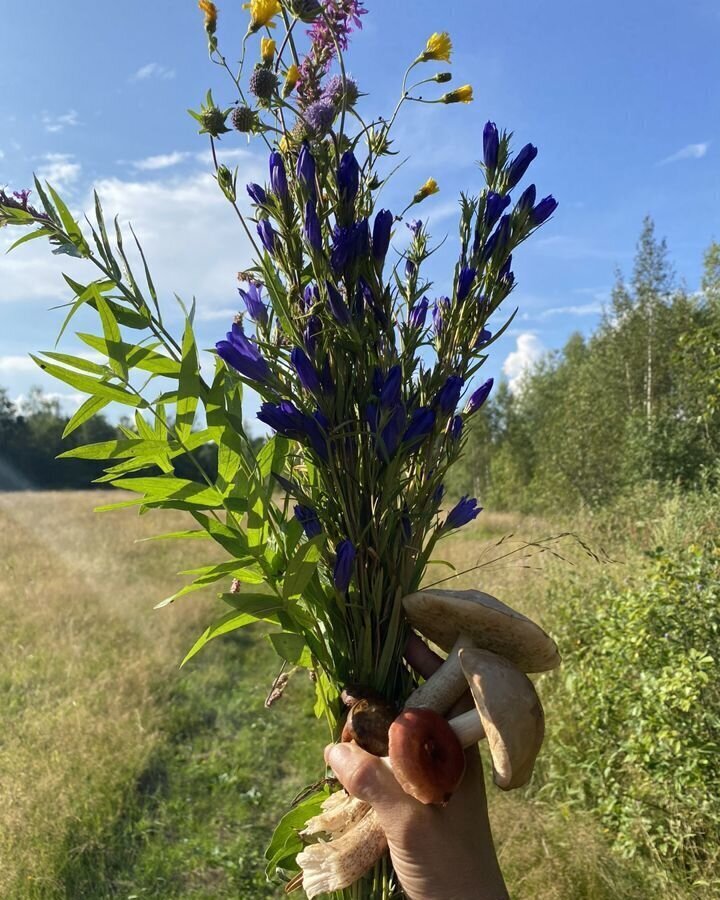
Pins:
<point x="620" y="97"/>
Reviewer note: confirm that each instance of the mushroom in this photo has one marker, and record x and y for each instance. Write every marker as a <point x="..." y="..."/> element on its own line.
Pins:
<point x="457" y="620"/>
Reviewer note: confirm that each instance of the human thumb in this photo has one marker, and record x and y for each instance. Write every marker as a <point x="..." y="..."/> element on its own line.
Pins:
<point x="364" y="776"/>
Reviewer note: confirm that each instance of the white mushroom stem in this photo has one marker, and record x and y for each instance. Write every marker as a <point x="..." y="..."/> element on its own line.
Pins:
<point x="468" y="728"/>
<point x="446" y="686"/>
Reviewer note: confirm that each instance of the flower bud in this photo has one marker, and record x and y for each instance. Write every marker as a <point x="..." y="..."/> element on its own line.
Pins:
<point x="542" y="212"/>
<point x="278" y="178"/>
<point x="462" y="94"/>
<point x="491" y="146"/>
<point x="519" y="166"/>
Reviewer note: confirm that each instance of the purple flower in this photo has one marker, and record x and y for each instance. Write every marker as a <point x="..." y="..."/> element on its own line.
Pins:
<point x="392" y="431"/>
<point x="455" y="427"/>
<point x="257" y="194"/>
<point x="418" y="313"/>
<point x="465" y="282"/>
<point x="440" y="309"/>
<point x="308" y="518"/>
<point x="498" y="239"/>
<point x="422" y="422"/>
<point x="252" y="298"/>
<point x="313" y="330"/>
<point x="448" y="396"/>
<point x="542" y="212"/>
<point x="463" y="512"/>
<point x="311" y="296"/>
<point x="526" y="201"/>
<point x="478" y="397"/>
<point x="305" y="370"/>
<point x="349" y="244"/>
<point x="344" y="563"/>
<point x="495" y="206"/>
<point x="337" y="305"/>
<point x="381" y="234"/>
<point x="438" y="494"/>
<point x="390" y="391"/>
<point x="410" y="269"/>
<point x="243" y="355"/>
<point x="348" y="178"/>
<point x="491" y="145"/>
<point x="519" y="166"/>
<point x="287" y="420"/>
<point x="320" y="115"/>
<point x="278" y="178"/>
<point x="415" y="225"/>
<point x="267" y="235"/>
<point x="483" y="338"/>
<point x="306" y="170"/>
<point x="342" y="93"/>
<point x="313" y="232"/>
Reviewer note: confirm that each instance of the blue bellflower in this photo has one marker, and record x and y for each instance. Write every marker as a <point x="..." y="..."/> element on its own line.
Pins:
<point x="448" y="396"/>
<point x="455" y="428"/>
<point x="308" y="518"/>
<point x="306" y="170"/>
<point x="252" y="299"/>
<point x="344" y="563"/>
<point x="243" y="355"/>
<point x="422" y="422"/>
<point x="348" y="178"/>
<point x="381" y="235"/>
<point x="392" y="431"/>
<point x="311" y="296"/>
<point x="337" y="305"/>
<point x="313" y="232"/>
<point x="287" y="420"/>
<point x="491" y="145"/>
<point x="305" y="370"/>
<point x="278" y="178"/>
<point x="267" y="235"/>
<point x="390" y="391"/>
<point x="495" y="206"/>
<point x="257" y="194"/>
<point x="418" y="313"/>
<point x="519" y="166"/>
<point x="483" y="338"/>
<point x="544" y="209"/>
<point x="311" y="333"/>
<point x="526" y="201"/>
<point x="465" y="282"/>
<point x="463" y="512"/>
<point x="478" y="397"/>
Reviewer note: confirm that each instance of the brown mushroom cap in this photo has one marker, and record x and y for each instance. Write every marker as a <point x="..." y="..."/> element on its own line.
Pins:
<point x="511" y="714"/>
<point x="491" y="625"/>
<point x="425" y="755"/>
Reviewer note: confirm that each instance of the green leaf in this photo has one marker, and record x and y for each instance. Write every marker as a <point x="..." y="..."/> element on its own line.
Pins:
<point x="89" y="408"/>
<point x="113" y="338"/>
<point x="302" y="567"/>
<point x="178" y="493"/>
<point x="286" y="842"/>
<point x="89" y="385"/>
<point x="291" y="647"/>
<point x="30" y="236"/>
<point x="69" y="224"/>
<point x="231" y="621"/>
<point x="189" y="385"/>
<point x="137" y="357"/>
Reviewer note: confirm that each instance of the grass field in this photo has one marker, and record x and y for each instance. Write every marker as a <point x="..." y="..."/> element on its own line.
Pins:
<point x="124" y="776"/>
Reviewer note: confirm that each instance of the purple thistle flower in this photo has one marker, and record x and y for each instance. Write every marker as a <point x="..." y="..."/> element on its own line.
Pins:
<point x="337" y="305"/>
<point x="243" y="355"/>
<point x="465" y="282"/>
<point x="448" y="396"/>
<point x="495" y="206"/>
<point x="252" y="298"/>
<point x="320" y="116"/>
<point x="418" y="313"/>
<point x="308" y="518"/>
<point x="313" y="330"/>
<point x="344" y="563"/>
<point x="267" y="235"/>
<point x="463" y="512"/>
<point x="491" y="145"/>
<point x="305" y="370"/>
<point x="526" y="201"/>
<point x="306" y="170"/>
<point x="342" y="94"/>
<point x="478" y="397"/>
<point x="455" y="428"/>
<point x="278" y="178"/>
<point x="257" y="194"/>
<point x="542" y="212"/>
<point x="348" y="179"/>
<point x="390" y="391"/>
<point x="381" y="234"/>
<point x="519" y="166"/>
<point x="313" y="232"/>
<point x="422" y="422"/>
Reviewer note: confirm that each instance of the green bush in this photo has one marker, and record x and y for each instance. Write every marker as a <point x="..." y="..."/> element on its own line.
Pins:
<point x="638" y="706"/>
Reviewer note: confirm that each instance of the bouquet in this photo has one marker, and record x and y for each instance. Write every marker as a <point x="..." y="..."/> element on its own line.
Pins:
<point x="368" y="381"/>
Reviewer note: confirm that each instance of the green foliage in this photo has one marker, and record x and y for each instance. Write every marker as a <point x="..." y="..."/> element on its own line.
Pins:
<point x="640" y="741"/>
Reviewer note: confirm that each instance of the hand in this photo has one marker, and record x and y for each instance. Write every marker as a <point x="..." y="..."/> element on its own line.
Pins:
<point x="439" y="853"/>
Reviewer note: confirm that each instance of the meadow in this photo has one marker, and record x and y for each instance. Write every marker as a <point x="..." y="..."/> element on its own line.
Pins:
<point x="124" y="776"/>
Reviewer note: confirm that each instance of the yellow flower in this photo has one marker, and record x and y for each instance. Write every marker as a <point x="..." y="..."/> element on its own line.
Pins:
<point x="430" y="187"/>
<point x="439" y="46"/>
<point x="292" y="76"/>
<point x="210" y="11"/>
<point x="462" y="94"/>
<point x="261" y="13"/>
<point x="267" y="50"/>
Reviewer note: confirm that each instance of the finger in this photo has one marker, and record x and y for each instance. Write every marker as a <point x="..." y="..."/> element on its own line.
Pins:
<point x="364" y="776"/>
<point x="420" y="657"/>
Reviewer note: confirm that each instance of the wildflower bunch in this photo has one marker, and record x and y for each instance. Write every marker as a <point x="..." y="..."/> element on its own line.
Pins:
<point x="367" y="377"/>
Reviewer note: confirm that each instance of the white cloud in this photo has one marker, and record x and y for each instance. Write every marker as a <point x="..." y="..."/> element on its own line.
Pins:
<point x="72" y="400"/>
<point x="53" y="124"/>
<point x="60" y="169"/>
<point x="689" y="151"/>
<point x="529" y="349"/>
<point x="152" y="70"/>
<point x="2" y="155"/>
<point x="161" y="161"/>
<point x="585" y="309"/>
<point x="15" y="364"/>
<point x="212" y="315"/>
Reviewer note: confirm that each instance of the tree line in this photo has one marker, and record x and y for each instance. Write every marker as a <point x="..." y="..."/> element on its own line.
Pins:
<point x="637" y="401"/>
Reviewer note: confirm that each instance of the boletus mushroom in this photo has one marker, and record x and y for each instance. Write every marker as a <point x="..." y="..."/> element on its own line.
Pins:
<point x="457" y="620"/>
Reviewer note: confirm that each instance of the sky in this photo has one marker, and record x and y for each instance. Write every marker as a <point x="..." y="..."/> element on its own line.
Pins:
<point x="619" y="97"/>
